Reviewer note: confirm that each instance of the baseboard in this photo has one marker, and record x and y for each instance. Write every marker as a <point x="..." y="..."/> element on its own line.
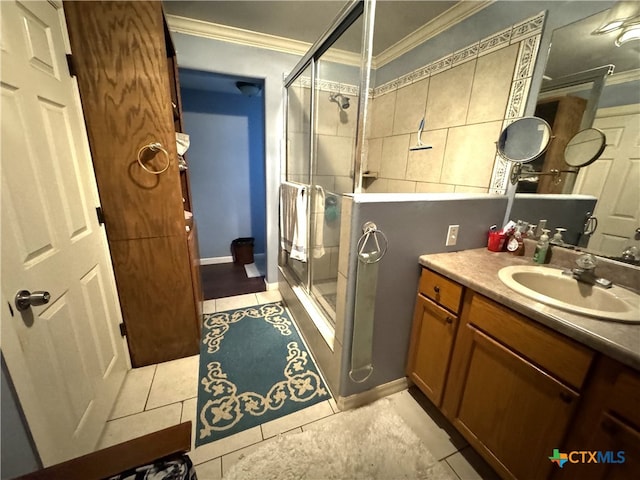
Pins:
<point x="216" y="260"/>
<point x="271" y="286"/>
<point x="376" y="393"/>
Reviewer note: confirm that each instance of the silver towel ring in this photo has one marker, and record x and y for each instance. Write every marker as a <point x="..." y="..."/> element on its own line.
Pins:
<point x="154" y="147"/>
<point x="369" y="230"/>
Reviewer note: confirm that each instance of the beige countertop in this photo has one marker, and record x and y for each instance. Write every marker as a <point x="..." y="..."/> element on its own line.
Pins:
<point x="478" y="270"/>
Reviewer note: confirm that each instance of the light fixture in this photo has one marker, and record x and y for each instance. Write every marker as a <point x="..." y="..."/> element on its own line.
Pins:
<point x="628" y="34"/>
<point x="249" y="89"/>
<point x="621" y="15"/>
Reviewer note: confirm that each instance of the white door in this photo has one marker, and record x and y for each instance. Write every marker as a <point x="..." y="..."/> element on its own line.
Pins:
<point x="615" y="180"/>
<point x="66" y="358"/>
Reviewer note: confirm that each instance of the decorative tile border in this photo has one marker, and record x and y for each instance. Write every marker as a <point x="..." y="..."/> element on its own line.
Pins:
<point x="527" y="55"/>
<point x="494" y="42"/>
<point x="329" y="86"/>
<point x="528" y="28"/>
<point x="464" y="55"/>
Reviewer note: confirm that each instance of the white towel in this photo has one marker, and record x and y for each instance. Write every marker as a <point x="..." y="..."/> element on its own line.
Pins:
<point x="317" y="248"/>
<point x="293" y="220"/>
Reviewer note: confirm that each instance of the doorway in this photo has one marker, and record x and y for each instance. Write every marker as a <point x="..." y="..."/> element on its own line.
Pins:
<point x="224" y="116"/>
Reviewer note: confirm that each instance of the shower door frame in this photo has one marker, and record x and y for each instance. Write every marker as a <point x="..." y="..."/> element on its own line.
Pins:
<point x="343" y="21"/>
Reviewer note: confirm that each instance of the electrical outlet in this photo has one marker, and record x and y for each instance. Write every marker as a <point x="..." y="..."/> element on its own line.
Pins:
<point x="452" y="235"/>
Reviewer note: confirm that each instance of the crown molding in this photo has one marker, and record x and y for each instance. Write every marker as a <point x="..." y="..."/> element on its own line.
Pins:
<point x="225" y="33"/>
<point x="442" y="22"/>
<point x="615" y="79"/>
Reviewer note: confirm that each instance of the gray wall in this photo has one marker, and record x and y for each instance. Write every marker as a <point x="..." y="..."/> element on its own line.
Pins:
<point x="18" y="453"/>
<point x="566" y="211"/>
<point x="413" y="228"/>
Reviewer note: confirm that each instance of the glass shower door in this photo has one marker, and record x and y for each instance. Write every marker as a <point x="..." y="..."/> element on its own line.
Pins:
<point x="298" y="167"/>
<point x="336" y="111"/>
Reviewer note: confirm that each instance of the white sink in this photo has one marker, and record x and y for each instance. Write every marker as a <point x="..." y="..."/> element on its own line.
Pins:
<point x="551" y="286"/>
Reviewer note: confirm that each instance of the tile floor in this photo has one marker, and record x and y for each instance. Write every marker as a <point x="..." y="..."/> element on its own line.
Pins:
<point x="162" y="395"/>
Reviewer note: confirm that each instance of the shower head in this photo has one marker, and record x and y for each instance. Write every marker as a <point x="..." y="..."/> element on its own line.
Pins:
<point x="340" y="99"/>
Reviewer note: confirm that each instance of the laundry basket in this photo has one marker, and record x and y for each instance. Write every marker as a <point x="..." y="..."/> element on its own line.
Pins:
<point x="242" y="250"/>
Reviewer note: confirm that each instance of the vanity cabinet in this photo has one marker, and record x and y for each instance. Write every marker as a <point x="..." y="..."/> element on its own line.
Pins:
<point x="608" y="421"/>
<point x="124" y="61"/>
<point x="435" y="323"/>
<point x="513" y="387"/>
<point x="517" y="390"/>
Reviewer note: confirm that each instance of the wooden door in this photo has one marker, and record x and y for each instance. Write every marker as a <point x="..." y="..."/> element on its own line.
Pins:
<point x="511" y="410"/>
<point x="431" y="345"/>
<point x="66" y="358"/>
<point x="615" y="180"/>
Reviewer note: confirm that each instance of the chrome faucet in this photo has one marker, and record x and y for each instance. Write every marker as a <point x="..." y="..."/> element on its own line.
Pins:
<point x="585" y="272"/>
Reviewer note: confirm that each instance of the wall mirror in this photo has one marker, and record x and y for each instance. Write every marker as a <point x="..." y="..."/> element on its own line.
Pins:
<point x="585" y="147"/>
<point x="573" y="94"/>
<point x="524" y="140"/>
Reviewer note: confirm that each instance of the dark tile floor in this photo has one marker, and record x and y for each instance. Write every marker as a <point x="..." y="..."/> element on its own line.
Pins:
<point x="228" y="279"/>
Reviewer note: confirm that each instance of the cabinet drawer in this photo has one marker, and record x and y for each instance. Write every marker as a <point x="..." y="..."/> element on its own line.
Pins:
<point x="440" y="289"/>
<point x="559" y="355"/>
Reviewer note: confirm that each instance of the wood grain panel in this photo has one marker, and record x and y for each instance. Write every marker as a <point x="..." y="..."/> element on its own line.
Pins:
<point x="120" y="55"/>
<point x="119" y="458"/>
<point x="511" y="411"/>
<point x="431" y="346"/>
<point x="156" y="296"/>
<point x="570" y="360"/>
<point x="194" y="259"/>
<point x="564" y="115"/>
<point x="440" y="289"/>
<point x="608" y="420"/>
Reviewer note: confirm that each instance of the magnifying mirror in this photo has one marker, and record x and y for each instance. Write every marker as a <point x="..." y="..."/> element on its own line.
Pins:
<point x="585" y="147"/>
<point x="524" y="140"/>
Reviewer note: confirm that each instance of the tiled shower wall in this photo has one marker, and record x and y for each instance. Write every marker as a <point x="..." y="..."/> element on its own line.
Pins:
<point x="463" y="107"/>
<point x="466" y="99"/>
<point x="335" y="137"/>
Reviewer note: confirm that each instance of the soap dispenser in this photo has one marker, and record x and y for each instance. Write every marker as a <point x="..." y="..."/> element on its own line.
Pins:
<point x="557" y="237"/>
<point x="542" y="248"/>
<point x="516" y="243"/>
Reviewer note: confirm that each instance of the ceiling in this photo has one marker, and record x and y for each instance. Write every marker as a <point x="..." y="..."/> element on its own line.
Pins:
<point x="574" y="48"/>
<point x="307" y="20"/>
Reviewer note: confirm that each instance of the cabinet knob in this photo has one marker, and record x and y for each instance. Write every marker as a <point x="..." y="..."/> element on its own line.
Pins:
<point x="448" y="320"/>
<point x="436" y="289"/>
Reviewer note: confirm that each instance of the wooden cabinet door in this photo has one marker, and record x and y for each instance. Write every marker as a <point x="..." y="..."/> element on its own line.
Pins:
<point x="510" y="410"/>
<point x="608" y="422"/>
<point x="432" y="341"/>
<point x="120" y="55"/>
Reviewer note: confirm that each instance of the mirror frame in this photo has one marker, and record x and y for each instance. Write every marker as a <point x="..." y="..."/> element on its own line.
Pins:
<point x="540" y="123"/>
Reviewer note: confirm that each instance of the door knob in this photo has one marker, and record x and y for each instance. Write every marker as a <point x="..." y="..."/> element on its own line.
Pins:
<point x="26" y="299"/>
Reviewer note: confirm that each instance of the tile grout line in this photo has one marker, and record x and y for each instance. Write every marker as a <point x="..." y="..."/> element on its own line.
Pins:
<point x="146" y="402"/>
<point x="452" y="469"/>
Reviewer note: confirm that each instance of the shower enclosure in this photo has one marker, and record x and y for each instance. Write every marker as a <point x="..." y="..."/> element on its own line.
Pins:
<point x="324" y="129"/>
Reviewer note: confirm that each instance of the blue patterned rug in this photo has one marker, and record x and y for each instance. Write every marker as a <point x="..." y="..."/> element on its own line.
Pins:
<point x="253" y="368"/>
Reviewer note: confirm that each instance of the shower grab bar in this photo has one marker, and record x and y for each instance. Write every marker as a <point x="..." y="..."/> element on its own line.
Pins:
<point x="366" y="283"/>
